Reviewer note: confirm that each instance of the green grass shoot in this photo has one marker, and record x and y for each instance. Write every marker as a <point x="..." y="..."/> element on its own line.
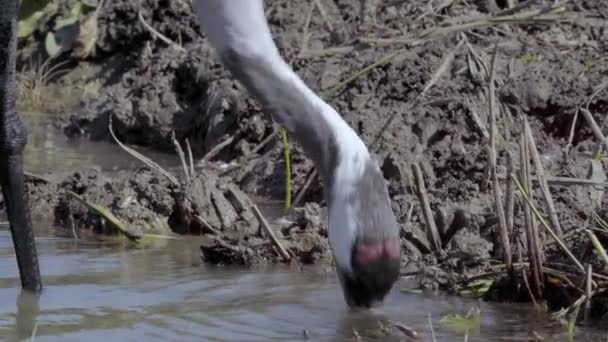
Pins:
<point x="287" y="168"/>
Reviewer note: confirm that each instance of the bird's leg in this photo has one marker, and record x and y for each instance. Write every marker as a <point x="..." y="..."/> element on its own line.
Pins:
<point x="13" y="138"/>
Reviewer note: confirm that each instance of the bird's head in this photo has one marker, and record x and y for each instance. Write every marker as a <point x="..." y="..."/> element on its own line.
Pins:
<point x="364" y="234"/>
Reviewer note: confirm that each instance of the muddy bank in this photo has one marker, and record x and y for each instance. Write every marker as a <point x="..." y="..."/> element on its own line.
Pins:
<point x="545" y="71"/>
<point x="230" y="226"/>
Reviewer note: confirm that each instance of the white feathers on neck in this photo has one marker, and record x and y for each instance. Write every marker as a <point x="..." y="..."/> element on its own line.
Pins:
<point x="240" y="26"/>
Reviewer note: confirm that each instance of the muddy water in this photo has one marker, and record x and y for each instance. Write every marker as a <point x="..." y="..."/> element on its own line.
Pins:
<point x="102" y="290"/>
<point x="49" y="150"/>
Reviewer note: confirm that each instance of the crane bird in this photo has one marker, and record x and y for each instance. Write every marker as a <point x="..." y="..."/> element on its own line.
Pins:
<point x="363" y="231"/>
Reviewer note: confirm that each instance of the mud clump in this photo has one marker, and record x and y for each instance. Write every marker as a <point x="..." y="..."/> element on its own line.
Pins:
<point x="303" y="236"/>
<point x="152" y="89"/>
<point x="207" y="206"/>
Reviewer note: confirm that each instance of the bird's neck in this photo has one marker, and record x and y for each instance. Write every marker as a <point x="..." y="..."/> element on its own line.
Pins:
<point x="239" y="32"/>
<point x="325" y="136"/>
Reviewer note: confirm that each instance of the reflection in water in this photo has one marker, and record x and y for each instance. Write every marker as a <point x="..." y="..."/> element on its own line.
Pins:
<point x="102" y="291"/>
<point x="49" y="149"/>
<point x="27" y="314"/>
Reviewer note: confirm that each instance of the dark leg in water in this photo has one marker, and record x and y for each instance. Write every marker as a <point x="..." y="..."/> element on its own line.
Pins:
<point x="13" y="138"/>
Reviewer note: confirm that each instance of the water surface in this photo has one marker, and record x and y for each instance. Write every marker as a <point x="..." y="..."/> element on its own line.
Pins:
<point x="102" y="290"/>
<point x="105" y="291"/>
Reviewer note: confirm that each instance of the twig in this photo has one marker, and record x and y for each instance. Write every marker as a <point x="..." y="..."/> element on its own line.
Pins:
<point x="141" y="157"/>
<point x="158" y="34"/>
<point x="539" y="217"/>
<point x="407" y="331"/>
<point x="527" y="283"/>
<point x="206" y="225"/>
<point x="564" y="181"/>
<point x="537" y="16"/>
<point x="531" y="232"/>
<point x="597" y="131"/>
<point x="287" y="153"/>
<point x="433" y="338"/>
<point x="34" y="332"/>
<point x="540" y="173"/>
<point x="331" y="51"/>
<point x="500" y="212"/>
<point x="286" y="256"/>
<point x="571" y="135"/>
<point x="217" y="149"/>
<point x="182" y="157"/>
<point x="341" y="85"/>
<point x="432" y="233"/>
<point x="190" y="158"/>
<point x="598" y="90"/>
<point x="311" y="176"/>
<point x="598" y="247"/>
<point x="588" y="288"/>
<point x="510" y="201"/>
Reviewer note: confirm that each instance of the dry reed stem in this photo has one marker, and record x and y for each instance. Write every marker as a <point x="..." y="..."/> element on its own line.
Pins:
<point x="500" y="212"/>
<point x="551" y="14"/>
<point x="432" y="233"/>
<point x="158" y="34"/>
<point x="539" y="217"/>
<point x="533" y="251"/>
<point x="598" y="247"/>
<point x="540" y="173"/>
<point x="597" y="131"/>
<point x="141" y="157"/>
<point x="566" y="149"/>
<point x="528" y="288"/>
<point x="600" y="88"/>
<point x="433" y="338"/>
<point x="564" y="181"/>
<point x="510" y="201"/>
<point x="286" y="256"/>
<point x="311" y="176"/>
<point x="190" y="157"/>
<point x="588" y="289"/>
<point x="182" y="157"/>
<point x="217" y="149"/>
<point x="407" y="331"/>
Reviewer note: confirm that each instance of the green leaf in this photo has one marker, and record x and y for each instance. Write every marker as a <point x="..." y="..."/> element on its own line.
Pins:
<point x="132" y="234"/>
<point x="72" y="18"/>
<point x="28" y="25"/>
<point x="462" y="324"/>
<point x="30" y="11"/>
<point x="476" y="289"/>
<point x="27" y="8"/>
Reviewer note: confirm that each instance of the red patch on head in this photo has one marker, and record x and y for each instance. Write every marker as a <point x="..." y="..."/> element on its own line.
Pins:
<point x="367" y="252"/>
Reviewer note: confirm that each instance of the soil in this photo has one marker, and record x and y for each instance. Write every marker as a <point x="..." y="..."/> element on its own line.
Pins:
<point x="544" y="73"/>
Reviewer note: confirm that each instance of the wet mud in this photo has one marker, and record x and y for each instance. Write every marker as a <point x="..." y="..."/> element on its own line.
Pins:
<point x="544" y="72"/>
